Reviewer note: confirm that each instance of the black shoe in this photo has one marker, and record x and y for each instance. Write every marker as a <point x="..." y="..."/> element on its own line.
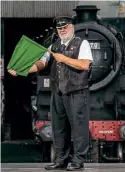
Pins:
<point x="74" y="167"/>
<point x="55" y="166"/>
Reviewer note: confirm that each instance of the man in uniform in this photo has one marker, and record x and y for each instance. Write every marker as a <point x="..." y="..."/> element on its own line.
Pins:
<point x="72" y="59"/>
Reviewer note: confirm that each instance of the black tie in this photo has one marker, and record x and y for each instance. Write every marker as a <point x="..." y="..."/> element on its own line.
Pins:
<point x="62" y="48"/>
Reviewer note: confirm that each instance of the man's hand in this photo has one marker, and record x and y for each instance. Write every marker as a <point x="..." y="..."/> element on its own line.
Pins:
<point x="59" y="57"/>
<point x="12" y="72"/>
<point x="80" y="64"/>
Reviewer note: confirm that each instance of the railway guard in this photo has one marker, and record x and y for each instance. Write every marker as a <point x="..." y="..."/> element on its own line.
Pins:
<point x="72" y="59"/>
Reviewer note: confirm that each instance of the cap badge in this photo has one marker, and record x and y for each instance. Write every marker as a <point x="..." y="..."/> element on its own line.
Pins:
<point x="61" y="22"/>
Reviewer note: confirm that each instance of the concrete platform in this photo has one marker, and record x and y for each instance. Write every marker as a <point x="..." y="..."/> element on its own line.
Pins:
<point x="39" y="167"/>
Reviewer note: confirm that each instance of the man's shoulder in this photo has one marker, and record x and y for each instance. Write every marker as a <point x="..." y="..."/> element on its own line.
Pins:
<point x="78" y="38"/>
<point x="56" y="41"/>
<point x="81" y="39"/>
<point x="56" y="44"/>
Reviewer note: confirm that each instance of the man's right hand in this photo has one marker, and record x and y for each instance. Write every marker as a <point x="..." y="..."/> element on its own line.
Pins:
<point x="12" y="72"/>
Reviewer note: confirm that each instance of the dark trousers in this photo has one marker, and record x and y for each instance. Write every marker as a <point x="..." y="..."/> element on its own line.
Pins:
<point x="70" y="116"/>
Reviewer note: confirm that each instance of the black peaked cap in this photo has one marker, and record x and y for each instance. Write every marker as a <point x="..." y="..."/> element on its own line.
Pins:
<point x="62" y="21"/>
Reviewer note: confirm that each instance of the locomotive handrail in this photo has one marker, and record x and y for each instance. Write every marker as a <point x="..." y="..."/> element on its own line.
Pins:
<point x="114" y="56"/>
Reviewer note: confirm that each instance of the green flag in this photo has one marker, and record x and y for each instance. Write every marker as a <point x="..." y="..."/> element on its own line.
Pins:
<point x="25" y="54"/>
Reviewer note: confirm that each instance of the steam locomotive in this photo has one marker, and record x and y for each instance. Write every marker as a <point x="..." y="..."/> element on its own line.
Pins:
<point x="107" y="89"/>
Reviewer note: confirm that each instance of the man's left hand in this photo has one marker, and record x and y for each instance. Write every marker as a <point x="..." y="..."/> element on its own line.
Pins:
<point x="59" y="57"/>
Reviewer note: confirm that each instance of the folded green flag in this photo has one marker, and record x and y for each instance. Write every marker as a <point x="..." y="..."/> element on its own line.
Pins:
<point x="25" y="54"/>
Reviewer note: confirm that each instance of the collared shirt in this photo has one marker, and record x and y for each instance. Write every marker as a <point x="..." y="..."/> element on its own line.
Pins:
<point x="84" y="52"/>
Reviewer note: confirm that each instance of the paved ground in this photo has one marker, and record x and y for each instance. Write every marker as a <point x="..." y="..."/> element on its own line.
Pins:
<point x="39" y="167"/>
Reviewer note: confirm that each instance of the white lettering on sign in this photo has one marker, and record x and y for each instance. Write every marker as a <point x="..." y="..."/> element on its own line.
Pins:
<point x="95" y="45"/>
<point x="106" y="132"/>
<point x="46" y="82"/>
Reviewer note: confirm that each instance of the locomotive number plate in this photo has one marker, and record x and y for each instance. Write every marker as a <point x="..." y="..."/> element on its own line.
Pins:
<point x="95" y="45"/>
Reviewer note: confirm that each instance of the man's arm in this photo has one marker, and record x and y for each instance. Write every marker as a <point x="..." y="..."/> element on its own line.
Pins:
<point x="84" y="57"/>
<point x="42" y="63"/>
<point x="38" y="66"/>
<point x="80" y="64"/>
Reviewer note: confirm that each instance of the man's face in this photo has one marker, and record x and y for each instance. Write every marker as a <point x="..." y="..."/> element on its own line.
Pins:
<point x="65" y="33"/>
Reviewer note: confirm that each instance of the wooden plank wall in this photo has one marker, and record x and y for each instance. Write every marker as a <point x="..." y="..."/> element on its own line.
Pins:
<point x="37" y="8"/>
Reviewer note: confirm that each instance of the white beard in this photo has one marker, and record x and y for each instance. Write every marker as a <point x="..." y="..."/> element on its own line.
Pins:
<point x="67" y="37"/>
